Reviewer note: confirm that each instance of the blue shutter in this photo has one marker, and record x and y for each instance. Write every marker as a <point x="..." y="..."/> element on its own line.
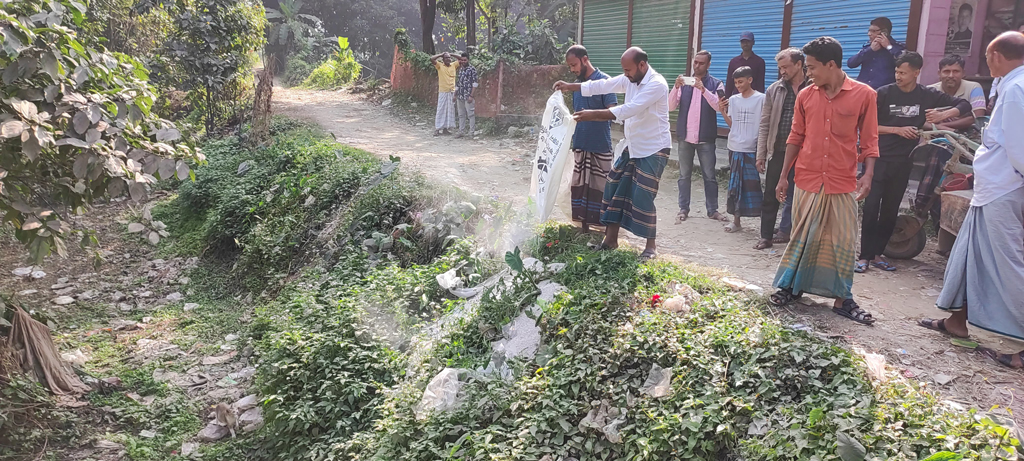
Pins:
<point x="724" y="20"/>
<point x="662" y="29"/>
<point x="846" y="21"/>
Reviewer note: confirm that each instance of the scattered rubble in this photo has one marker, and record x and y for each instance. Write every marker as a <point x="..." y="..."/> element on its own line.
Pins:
<point x="63" y="300"/>
<point x="213" y="432"/>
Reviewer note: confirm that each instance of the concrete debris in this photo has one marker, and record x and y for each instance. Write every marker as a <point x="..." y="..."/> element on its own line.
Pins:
<point x="174" y="296"/>
<point x="252" y="416"/>
<point x="229" y="394"/>
<point x="63" y="300"/>
<point x="146" y="294"/>
<point x="942" y="379"/>
<point x="118" y="297"/>
<point x="190" y="306"/>
<point x="64" y="291"/>
<point x="61" y="286"/>
<point x="87" y="295"/>
<point x="218" y="359"/>
<point x="741" y="285"/>
<point x="230" y="337"/>
<point x="247" y="402"/>
<point x="22" y="272"/>
<point x="27" y="292"/>
<point x="147" y="434"/>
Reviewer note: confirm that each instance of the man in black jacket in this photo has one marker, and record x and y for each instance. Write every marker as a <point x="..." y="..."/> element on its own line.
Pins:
<point x="904" y="108"/>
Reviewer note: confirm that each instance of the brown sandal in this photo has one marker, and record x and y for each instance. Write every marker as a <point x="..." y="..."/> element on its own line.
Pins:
<point x="937" y="325"/>
<point x="763" y="244"/>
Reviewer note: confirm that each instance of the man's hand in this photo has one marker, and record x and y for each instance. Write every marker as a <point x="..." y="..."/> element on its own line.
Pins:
<point x="723" y="105"/>
<point x="908" y="132"/>
<point x="938" y="116"/>
<point x="561" y="86"/>
<point x="863" y="187"/>
<point x="470" y="100"/>
<point x="585" y="116"/>
<point x="698" y="85"/>
<point x="884" y="41"/>
<point x="679" y="81"/>
<point x="876" y="44"/>
<point x="780" y="190"/>
<point x="760" y="165"/>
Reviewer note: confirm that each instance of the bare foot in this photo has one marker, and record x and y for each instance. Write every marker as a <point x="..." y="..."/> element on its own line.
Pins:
<point x="780" y="238"/>
<point x="763" y="244"/>
<point x="681" y="216"/>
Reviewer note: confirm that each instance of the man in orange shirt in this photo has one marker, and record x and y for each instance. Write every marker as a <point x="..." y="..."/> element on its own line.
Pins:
<point x="829" y="119"/>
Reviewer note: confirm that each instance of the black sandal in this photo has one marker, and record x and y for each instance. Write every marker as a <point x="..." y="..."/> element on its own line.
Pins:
<point x="937" y="325"/>
<point x="783" y="297"/>
<point x="853" y="312"/>
<point x="1005" y="360"/>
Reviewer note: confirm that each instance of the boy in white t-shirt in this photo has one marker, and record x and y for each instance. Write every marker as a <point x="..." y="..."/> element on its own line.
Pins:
<point x="742" y="112"/>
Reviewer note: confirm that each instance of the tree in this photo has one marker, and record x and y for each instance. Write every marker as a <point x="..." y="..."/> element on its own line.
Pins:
<point x="75" y="125"/>
<point x="428" y="14"/>
<point x="211" y="46"/>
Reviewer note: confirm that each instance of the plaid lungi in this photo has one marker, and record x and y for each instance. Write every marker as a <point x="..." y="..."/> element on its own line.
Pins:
<point x="445" y="117"/>
<point x="745" y="193"/>
<point x="630" y="192"/>
<point x="821" y="256"/>
<point x="589" y="176"/>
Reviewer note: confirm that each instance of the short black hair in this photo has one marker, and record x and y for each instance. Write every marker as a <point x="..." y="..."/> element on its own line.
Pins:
<point x="952" y="59"/>
<point x="465" y="54"/>
<point x="744" y="71"/>
<point x="794" y="55"/>
<point x="577" y="51"/>
<point x="968" y="7"/>
<point x="883" y="23"/>
<point x="704" y="53"/>
<point x="825" y="49"/>
<point x="640" y="56"/>
<point x="910" y="57"/>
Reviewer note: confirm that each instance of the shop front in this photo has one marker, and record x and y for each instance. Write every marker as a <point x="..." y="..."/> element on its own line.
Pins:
<point x="966" y="27"/>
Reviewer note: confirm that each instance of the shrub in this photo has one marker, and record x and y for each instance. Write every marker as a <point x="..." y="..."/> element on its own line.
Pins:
<point x="339" y="70"/>
<point x="298" y="71"/>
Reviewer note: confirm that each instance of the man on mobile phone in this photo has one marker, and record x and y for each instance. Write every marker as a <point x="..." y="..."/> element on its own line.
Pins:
<point x="697" y="129"/>
<point x="877" y="60"/>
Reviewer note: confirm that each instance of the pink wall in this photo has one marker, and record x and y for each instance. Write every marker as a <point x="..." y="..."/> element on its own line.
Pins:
<point x="935" y="21"/>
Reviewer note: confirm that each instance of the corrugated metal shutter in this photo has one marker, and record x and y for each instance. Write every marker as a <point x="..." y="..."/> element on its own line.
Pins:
<point x="724" y="20"/>
<point x="662" y="29"/>
<point x="846" y="21"/>
<point x="604" y="33"/>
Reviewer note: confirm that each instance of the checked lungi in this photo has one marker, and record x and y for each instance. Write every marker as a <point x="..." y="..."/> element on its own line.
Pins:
<point x="986" y="267"/>
<point x="821" y="254"/>
<point x="630" y="193"/>
<point x="445" y="118"/>
<point x="589" y="177"/>
<point x="745" y="193"/>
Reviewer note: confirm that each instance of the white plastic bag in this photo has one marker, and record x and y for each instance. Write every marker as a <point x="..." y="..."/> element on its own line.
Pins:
<point x="440" y="394"/>
<point x="659" y="382"/>
<point x="553" y="154"/>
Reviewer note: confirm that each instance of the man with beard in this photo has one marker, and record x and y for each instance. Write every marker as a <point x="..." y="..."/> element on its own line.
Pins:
<point x="591" y="143"/>
<point x="633" y="183"/>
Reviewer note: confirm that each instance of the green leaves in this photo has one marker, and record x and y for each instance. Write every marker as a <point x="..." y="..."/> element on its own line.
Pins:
<point x="849" y="448"/>
<point x="514" y="260"/>
<point x="64" y="135"/>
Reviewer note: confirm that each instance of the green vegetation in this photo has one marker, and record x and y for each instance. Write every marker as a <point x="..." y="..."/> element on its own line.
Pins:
<point x="350" y="341"/>
<point x="338" y="70"/>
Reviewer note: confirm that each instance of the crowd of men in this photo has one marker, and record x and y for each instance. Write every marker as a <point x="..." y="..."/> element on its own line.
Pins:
<point x="823" y="142"/>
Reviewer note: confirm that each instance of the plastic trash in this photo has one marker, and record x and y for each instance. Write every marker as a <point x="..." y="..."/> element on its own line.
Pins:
<point x="440" y="394"/>
<point x="552" y="156"/>
<point x="659" y="382"/>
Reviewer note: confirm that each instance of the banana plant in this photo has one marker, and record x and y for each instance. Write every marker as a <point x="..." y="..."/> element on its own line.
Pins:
<point x="289" y="27"/>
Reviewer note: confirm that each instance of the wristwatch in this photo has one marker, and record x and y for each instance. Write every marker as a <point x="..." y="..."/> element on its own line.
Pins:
<point x="889" y="47"/>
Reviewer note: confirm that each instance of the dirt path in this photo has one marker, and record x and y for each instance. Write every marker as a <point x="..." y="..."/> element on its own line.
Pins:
<point x="500" y="168"/>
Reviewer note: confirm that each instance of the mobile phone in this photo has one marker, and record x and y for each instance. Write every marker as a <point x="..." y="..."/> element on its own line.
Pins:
<point x="689" y="81"/>
<point x="721" y="93"/>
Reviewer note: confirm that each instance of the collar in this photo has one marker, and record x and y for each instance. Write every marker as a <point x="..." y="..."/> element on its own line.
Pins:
<point x="1017" y="72"/>
<point x="647" y="76"/>
<point x="847" y="83"/>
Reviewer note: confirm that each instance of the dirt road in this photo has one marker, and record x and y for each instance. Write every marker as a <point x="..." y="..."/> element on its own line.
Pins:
<point x="500" y="167"/>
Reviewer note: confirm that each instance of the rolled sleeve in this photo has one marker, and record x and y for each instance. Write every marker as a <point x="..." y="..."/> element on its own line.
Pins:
<point x="604" y="86"/>
<point x="868" y="129"/>
<point x="649" y="95"/>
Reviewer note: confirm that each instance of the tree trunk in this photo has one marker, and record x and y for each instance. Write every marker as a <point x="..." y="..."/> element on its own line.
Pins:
<point x="428" y="14"/>
<point x="470" y="23"/>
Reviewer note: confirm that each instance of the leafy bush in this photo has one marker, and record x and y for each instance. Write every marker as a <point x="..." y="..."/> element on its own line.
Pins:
<point x="298" y="71"/>
<point x="76" y="125"/>
<point x="341" y="69"/>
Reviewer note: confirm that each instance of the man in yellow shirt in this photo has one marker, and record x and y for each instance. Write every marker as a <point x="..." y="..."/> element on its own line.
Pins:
<point x="446" y="67"/>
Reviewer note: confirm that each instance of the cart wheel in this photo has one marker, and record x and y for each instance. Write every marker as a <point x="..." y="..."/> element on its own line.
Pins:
<point x="909" y="248"/>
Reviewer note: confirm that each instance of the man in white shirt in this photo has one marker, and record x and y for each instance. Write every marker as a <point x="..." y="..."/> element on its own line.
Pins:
<point x="633" y="181"/>
<point x="986" y="266"/>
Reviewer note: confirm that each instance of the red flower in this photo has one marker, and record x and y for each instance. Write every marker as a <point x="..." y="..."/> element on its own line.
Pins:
<point x="549" y="244"/>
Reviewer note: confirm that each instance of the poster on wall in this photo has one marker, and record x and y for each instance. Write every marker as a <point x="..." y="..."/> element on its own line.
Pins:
<point x="960" y="35"/>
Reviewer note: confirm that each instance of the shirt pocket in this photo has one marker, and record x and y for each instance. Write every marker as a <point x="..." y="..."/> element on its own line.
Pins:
<point x="844" y="122"/>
